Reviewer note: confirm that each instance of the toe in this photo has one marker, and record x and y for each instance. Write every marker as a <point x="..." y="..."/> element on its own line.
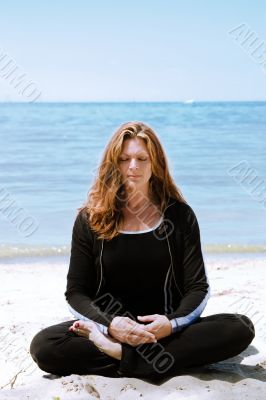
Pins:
<point x="83" y="325"/>
<point x="76" y="324"/>
<point x="86" y="325"/>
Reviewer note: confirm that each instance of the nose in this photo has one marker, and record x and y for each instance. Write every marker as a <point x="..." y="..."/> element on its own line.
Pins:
<point x="133" y="163"/>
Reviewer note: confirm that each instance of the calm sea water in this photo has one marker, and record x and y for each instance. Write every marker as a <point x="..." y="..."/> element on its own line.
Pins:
<point x="49" y="151"/>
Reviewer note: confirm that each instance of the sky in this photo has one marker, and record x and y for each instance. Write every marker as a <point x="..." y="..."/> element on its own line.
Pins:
<point x="160" y="50"/>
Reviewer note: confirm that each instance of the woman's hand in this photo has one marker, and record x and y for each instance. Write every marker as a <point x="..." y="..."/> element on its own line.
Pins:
<point x="160" y="325"/>
<point x="125" y="330"/>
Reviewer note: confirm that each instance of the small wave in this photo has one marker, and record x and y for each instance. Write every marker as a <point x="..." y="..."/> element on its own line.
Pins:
<point x="33" y="251"/>
<point x="234" y="248"/>
<point x="21" y="251"/>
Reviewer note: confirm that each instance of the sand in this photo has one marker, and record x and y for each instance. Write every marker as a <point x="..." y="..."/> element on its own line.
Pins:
<point x="32" y="297"/>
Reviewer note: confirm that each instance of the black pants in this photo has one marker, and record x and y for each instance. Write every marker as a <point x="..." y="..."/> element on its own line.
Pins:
<point x="209" y="339"/>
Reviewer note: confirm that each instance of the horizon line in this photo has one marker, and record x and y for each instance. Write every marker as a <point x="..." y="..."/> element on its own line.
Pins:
<point x="187" y="102"/>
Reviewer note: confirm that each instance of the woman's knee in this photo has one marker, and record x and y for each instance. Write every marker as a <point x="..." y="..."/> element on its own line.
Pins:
<point x="38" y="348"/>
<point x="245" y="329"/>
<point x="42" y="347"/>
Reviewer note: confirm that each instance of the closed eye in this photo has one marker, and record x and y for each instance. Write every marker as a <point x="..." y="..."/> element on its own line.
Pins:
<point x="126" y="159"/>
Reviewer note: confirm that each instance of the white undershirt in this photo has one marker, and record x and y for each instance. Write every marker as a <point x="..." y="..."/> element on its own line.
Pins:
<point x="145" y="230"/>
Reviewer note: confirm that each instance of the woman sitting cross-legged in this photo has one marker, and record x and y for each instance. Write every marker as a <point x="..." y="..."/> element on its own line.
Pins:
<point x="137" y="282"/>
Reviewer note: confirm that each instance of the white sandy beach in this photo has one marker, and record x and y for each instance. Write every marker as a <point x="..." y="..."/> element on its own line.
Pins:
<point x="32" y="297"/>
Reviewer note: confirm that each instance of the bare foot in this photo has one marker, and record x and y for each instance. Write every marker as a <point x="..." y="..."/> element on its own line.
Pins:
<point x="105" y="344"/>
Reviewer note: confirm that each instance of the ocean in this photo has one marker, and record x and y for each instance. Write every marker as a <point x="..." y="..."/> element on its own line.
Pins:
<point x="49" y="151"/>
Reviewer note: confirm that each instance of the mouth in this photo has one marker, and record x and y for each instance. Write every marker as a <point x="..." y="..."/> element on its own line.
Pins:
<point x="133" y="176"/>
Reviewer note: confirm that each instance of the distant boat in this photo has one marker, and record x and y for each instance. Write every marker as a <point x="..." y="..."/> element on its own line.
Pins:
<point x="189" y="101"/>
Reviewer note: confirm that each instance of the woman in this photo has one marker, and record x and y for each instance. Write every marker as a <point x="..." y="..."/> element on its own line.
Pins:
<point x="137" y="283"/>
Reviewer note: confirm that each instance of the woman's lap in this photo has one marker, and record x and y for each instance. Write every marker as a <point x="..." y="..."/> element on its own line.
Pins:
<point x="207" y="340"/>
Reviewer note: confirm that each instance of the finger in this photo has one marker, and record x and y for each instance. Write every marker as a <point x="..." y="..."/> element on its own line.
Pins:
<point x="147" y="317"/>
<point x="148" y="340"/>
<point x="141" y="333"/>
<point x="139" y="330"/>
<point x="133" y="325"/>
<point x="149" y="327"/>
<point x="131" y="322"/>
<point x="152" y="325"/>
<point x="138" y="340"/>
<point x="125" y="323"/>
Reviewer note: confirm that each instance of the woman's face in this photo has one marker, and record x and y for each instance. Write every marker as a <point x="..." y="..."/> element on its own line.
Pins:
<point x="135" y="160"/>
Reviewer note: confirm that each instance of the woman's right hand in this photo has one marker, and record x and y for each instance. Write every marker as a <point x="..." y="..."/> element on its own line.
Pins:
<point x="125" y="330"/>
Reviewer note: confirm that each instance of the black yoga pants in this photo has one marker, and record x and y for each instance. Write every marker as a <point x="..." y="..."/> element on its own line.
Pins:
<point x="208" y="340"/>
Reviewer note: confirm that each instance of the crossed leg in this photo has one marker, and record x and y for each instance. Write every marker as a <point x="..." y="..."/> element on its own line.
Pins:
<point x="210" y="339"/>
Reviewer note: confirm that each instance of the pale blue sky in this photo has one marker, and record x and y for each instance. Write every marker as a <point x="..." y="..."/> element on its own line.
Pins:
<point x="133" y="51"/>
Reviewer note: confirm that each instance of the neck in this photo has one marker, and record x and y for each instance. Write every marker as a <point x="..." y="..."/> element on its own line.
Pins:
<point x="137" y="199"/>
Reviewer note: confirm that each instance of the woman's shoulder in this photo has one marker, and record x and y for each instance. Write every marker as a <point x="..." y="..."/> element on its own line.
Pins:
<point x="182" y="213"/>
<point x="81" y="216"/>
<point x="82" y="221"/>
<point x="179" y="205"/>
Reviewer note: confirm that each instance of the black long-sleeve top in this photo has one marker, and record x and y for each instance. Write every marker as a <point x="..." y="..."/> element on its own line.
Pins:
<point x="161" y="271"/>
<point x="135" y="266"/>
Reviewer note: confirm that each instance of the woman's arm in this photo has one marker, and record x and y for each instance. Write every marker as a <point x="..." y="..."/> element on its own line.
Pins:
<point x="195" y="281"/>
<point x="81" y="277"/>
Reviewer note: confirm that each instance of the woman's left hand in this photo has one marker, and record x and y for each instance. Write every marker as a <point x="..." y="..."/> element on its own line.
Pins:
<point x="160" y="325"/>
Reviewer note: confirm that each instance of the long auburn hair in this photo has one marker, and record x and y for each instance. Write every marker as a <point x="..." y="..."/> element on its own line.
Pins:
<point x="106" y="198"/>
